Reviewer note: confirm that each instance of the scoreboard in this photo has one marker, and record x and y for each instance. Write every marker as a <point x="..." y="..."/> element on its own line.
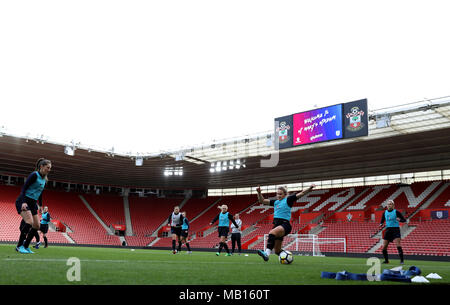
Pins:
<point x="339" y="121"/>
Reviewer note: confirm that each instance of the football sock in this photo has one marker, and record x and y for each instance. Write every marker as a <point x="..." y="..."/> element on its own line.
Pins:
<point x="30" y="236"/>
<point x="400" y="253"/>
<point x="188" y="247"/>
<point x="226" y="247"/>
<point x="179" y="246"/>
<point x="45" y="240"/>
<point x="271" y="241"/>
<point x="23" y="234"/>
<point x="385" y="254"/>
<point x="36" y="235"/>
<point x="173" y="245"/>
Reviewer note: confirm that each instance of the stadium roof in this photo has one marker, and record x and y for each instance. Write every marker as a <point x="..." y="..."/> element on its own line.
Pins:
<point x="407" y="138"/>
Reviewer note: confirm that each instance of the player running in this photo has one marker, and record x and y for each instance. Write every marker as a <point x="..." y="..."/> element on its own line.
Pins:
<point x="281" y="220"/>
<point x="176" y="220"/>
<point x="185" y="233"/>
<point x="28" y="203"/>
<point x="224" y="218"/>
<point x="392" y="233"/>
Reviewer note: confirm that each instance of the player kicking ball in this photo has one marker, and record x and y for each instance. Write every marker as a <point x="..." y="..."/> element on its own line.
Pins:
<point x="281" y="220"/>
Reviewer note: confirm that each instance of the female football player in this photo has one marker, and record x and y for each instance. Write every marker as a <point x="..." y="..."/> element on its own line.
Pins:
<point x="392" y="232"/>
<point x="281" y="220"/>
<point x="175" y="221"/>
<point x="224" y="218"/>
<point x="27" y="203"/>
<point x="185" y="233"/>
<point x="45" y="219"/>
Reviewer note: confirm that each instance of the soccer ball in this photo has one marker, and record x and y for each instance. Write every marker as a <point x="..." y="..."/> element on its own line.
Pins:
<point x="285" y="257"/>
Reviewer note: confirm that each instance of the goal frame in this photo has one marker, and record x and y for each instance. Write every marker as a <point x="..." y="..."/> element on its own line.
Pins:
<point x="314" y="239"/>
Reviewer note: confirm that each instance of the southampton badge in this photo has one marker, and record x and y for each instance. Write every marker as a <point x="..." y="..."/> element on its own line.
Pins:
<point x="283" y="132"/>
<point x="355" y="119"/>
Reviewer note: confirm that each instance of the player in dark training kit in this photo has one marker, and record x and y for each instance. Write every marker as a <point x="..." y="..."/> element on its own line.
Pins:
<point x="27" y="204"/>
<point x="281" y="220"/>
<point x="392" y="232"/>
<point x="185" y="233"/>
<point x="176" y="221"/>
<point x="224" y="227"/>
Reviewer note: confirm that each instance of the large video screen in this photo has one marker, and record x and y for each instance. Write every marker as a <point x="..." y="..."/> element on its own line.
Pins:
<point x="317" y="125"/>
<point x="342" y="121"/>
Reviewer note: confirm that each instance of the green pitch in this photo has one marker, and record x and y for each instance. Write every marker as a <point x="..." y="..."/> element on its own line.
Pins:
<point x="124" y="266"/>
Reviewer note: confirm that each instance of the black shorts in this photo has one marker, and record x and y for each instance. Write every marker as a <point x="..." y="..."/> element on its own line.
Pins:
<point x="392" y="233"/>
<point x="175" y="230"/>
<point x="284" y="223"/>
<point x="223" y="231"/>
<point x="43" y="228"/>
<point x="184" y="233"/>
<point x="235" y="236"/>
<point x="32" y="205"/>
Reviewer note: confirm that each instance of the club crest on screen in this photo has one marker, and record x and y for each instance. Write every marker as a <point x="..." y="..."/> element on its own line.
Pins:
<point x="355" y="116"/>
<point x="283" y="132"/>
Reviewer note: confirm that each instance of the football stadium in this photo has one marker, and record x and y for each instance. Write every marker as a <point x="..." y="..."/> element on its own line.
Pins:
<point x="224" y="152"/>
<point x="116" y="216"/>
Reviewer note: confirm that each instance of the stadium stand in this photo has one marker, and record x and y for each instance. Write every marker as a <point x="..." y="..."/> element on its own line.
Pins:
<point x="84" y="227"/>
<point x="358" y="235"/>
<point x="147" y="214"/>
<point x="427" y="238"/>
<point x="108" y="207"/>
<point x="9" y="219"/>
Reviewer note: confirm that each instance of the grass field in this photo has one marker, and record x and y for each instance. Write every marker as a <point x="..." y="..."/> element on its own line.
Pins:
<point x="123" y="266"/>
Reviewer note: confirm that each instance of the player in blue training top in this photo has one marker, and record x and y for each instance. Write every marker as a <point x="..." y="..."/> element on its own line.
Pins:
<point x="185" y="233"/>
<point x="224" y="218"/>
<point x="27" y="204"/>
<point x="281" y="219"/>
<point x="392" y="232"/>
<point x="45" y="219"/>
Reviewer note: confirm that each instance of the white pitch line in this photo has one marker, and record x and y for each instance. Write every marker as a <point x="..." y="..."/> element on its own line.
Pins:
<point x="115" y="261"/>
<point x="181" y="262"/>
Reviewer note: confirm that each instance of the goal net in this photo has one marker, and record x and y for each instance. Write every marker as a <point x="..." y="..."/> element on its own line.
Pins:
<point x="311" y="244"/>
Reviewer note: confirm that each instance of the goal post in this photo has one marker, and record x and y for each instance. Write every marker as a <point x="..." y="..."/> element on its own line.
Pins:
<point x="311" y="244"/>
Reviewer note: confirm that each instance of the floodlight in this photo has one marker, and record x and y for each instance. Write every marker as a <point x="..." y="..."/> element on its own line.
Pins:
<point x="69" y="151"/>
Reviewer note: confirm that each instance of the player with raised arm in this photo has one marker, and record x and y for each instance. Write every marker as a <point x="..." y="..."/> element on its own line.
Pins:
<point x="28" y="203"/>
<point x="175" y="221"/>
<point x="392" y="233"/>
<point x="224" y="218"/>
<point x="281" y="220"/>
